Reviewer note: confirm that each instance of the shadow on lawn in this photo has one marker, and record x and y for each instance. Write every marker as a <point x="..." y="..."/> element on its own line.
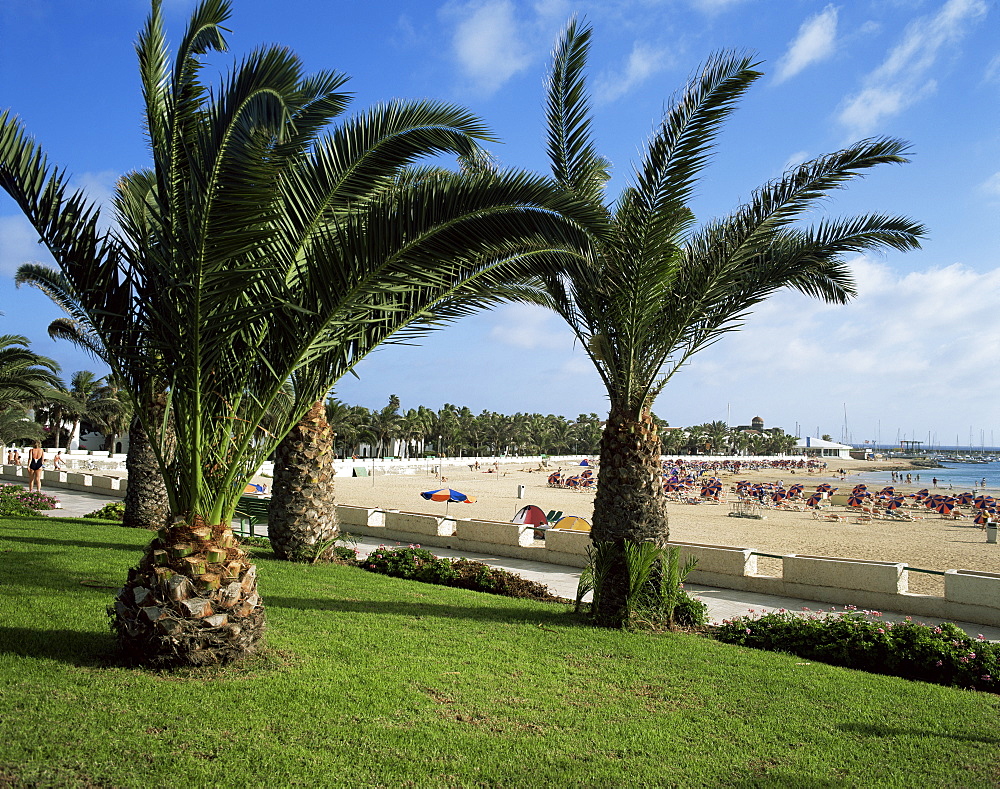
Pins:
<point x="76" y="647"/>
<point x="115" y="546"/>
<point x="400" y="608"/>
<point x="875" y="730"/>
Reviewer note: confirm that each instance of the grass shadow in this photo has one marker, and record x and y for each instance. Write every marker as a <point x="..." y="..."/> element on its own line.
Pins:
<point x="561" y="616"/>
<point x="85" y="648"/>
<point x="115" y="546"/>
<point x="875" y="730"/>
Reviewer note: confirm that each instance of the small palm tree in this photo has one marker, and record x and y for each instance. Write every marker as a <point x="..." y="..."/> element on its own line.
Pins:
<point x="654" y="288"/>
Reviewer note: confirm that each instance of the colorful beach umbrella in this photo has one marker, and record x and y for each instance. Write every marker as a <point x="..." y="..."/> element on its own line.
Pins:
<point x="893" y="504"/>
<point x="945" y="507"/>
<point x="982" y="502"/>
<point x="447" y="494"/>
<point x="814" y="500"/>
<point x="965" y="499"/>
<point x="826" y="487"/>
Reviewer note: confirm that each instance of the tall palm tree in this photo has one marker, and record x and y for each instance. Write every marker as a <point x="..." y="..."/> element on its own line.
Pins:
<point x="257" y="251"/>
<point x="655" y="288"/>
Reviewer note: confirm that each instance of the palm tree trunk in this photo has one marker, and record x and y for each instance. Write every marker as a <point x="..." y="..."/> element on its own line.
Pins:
<point x="630" y="503"/>
<point x="146" y="503"/>
<point x="302" y="519"/>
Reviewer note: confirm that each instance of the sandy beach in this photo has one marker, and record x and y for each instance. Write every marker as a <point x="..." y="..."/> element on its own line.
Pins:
<point x="933" y="543"/>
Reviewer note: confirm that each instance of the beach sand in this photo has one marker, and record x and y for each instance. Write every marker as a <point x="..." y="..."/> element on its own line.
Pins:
<point x="933" y="543"/>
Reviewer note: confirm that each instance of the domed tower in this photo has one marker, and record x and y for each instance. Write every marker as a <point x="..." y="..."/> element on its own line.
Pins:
<point x="757" y="423"/>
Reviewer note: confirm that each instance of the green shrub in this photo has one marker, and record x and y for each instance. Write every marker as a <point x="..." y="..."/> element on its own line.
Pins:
<point x="112" y="511"/>
<point x="942" y="654"/>
<point x="15" y="501"/>
<point x="419" y="564"/>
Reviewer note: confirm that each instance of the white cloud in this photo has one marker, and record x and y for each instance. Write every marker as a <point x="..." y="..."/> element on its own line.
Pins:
<point x="992" y="73"/>
<point x="714" y="6"/>
<point x="19" y="244"/>
<point x="643" y="62"/>
<point x="992" y="185"/>
<point x="529" y="327"/>
<point x="814" y="42"/>
<point x="902" y="78"/>
<point x="912" y="346"/>
<point x="794" y="160"/>
<point x="488" y="42"/>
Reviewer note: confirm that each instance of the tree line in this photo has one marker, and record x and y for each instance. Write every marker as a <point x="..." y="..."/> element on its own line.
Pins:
<point x="456" y="431"/>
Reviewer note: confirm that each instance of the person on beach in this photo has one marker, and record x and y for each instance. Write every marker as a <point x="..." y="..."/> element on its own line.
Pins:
<point x="36" y="460"/>
<point x="58" y="463"/>
<point x="17" y="457"/>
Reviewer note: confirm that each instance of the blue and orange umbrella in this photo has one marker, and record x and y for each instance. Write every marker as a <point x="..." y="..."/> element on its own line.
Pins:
<point x="826" y="487"/>
<point x="856" y="500"/>
<point x="814" y="500"/>
<point x="448" y="495"/>
<point x="894" y="504"/>
<point x="945" y="507"/>
<point x="965" y="499"/>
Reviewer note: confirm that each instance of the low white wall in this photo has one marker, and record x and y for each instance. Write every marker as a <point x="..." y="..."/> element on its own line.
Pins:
<point x="969" y="596"/>
<point x="53" y="481"/>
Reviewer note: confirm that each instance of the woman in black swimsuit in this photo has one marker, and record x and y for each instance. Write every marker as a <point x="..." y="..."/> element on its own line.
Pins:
<point x="36" y="459"/>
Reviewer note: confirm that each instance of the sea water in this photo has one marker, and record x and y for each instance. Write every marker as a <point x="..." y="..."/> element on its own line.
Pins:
<point x="959" y="477"/>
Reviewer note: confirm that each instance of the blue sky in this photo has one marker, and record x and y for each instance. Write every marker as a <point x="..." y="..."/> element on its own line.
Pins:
<point x="914" y="355"/>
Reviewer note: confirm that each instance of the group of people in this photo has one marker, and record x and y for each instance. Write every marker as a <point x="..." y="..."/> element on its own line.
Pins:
<point x="36" y="463"/>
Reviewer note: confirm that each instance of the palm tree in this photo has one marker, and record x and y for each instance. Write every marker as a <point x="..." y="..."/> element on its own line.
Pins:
<point x="26" y="378"/>
<point x="257" y="252"/>
<point x="655" y="288"/>
<point x="147" y="505"/>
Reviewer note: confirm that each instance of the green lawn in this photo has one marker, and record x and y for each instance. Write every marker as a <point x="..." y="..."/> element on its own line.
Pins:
<point x="371" y="681"/>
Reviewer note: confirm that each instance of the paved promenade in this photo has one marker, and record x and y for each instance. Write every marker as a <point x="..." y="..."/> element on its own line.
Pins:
<point x="561" y="580"/>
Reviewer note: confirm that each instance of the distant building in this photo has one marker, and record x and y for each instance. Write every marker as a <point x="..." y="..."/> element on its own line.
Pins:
<point x="756" y="426"/>
<point x="817" y="447"/>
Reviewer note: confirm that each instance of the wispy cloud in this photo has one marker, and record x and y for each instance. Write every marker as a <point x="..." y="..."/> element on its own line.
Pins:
<point x="643" y="62"/>
<point x="815" y="41"/>
<point x="714" y="6"/>
<point x="488" y="42"/>
<point x="528" y="327"/>
<point x="903" y="78"/>
<point x="992" y="185"/>
<point x="992" y="73"/>
<point x="19" y="244"/>
<point x="912" y="339"/>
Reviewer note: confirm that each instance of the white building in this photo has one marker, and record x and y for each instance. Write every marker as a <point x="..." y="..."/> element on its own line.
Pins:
<point x="817" y="447"/>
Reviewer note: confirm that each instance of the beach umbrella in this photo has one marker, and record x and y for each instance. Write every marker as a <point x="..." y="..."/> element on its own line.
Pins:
<point x="826" y="487"/>
<point x="859" y="488"/>
<point x="587" y="474"/>
<point x="887" y="491"/>
<point x="814" y="500"/>
<point x="585" y="462"/>
<point x="795" y="490"/>
<point x="920" y="494"/>
<point x="982" y="502"/>
<point x="965" y="499"/>
<point x="893" y="504"/>
<point x="932" y="501"/>
<point x="856" y="501"/>
<point x="448" y="495"/>
<point x="945" y="507"/>
<point x="778" y="495"/>
<point x="555" y="478"/>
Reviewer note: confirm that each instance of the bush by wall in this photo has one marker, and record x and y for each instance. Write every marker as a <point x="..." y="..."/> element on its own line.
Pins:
<point x="942" y="654"/>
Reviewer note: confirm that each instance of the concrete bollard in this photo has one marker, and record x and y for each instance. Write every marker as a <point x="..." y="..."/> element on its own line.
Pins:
<point x="520" y="491"/>
<point x="991" y="532"/>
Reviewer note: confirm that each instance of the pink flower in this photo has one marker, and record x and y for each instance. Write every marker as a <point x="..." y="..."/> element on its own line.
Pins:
<point x="748" y="631"/>
<point x="939" y="663"/>
<point x="986" y="678"/>
<point x="909" y="619"/>
<point x="981" y="637"/>
<point x="972" y="655"/>
<point x="881" y="630"/>
<point x="964" y="660"/>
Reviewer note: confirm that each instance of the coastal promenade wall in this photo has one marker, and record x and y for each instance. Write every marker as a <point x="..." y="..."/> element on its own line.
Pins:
<point x="969" y="595"/>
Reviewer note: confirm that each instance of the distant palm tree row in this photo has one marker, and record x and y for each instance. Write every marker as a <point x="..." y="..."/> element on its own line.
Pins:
<point x="455" y="431"/>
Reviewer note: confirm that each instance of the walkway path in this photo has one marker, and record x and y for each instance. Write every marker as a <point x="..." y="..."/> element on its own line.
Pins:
<point x="562" y="580"/>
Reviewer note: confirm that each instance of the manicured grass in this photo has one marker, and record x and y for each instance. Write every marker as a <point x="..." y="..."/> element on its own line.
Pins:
<point x="374" y="681"/>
